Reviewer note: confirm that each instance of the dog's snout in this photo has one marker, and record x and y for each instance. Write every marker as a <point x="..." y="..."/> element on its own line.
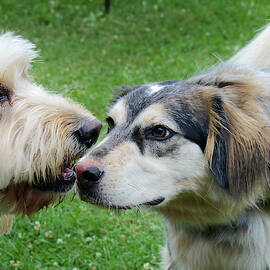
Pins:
<point x="88" y="133"/>
<point x="88" y="172"/>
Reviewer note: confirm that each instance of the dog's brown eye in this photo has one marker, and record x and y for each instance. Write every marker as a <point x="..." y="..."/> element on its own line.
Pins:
<point x="110" y="123"/>
<point x="159" y="132"/>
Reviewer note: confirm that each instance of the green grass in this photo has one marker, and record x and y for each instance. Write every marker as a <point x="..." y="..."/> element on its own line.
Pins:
<point x="85" y="56"/>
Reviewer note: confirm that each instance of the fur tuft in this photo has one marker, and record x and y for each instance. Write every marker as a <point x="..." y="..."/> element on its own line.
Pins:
<point x="16" y="55"/>
<point x="257" y="52"/>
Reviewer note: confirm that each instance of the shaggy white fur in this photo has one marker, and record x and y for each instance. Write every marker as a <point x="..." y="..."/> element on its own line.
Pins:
<point x="37" y="134"/>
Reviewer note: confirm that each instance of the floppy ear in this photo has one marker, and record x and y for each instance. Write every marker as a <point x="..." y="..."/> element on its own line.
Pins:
<point x="218" y="138"/>
<point x="16" y="55"/>
<point x="238" y="144"/>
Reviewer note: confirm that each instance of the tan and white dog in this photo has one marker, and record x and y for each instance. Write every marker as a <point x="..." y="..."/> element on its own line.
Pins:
<point x="41" y="135"/>
<point x="198" y="152"/>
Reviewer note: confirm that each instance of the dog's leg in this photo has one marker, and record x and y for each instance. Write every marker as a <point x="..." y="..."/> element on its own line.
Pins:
<point x="6" y="222"/>
<point x="257" y="52"/>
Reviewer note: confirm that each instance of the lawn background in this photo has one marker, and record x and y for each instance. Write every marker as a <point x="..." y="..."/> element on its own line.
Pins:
<point x="85" y="55"/>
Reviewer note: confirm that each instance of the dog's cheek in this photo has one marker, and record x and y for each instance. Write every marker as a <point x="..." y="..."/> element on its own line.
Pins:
<point x="121" y="174"/>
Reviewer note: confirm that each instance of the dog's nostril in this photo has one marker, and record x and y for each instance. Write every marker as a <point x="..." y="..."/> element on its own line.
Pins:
<point x="92" y="174"/>
<point x="89" y="172"/>
<point x="89" y="132"/>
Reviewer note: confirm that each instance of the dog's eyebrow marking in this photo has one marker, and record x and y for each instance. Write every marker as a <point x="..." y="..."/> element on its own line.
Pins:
<point x="155" y="88"/>
<point x="119" y="112"/>
<point x="153" y="114"/>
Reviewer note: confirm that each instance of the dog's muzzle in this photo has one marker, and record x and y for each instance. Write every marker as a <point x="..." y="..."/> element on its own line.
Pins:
<point x="89" y="174"/>
<point x="87" y="135"/>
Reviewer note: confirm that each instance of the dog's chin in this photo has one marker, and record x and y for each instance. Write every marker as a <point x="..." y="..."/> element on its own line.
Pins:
<point x="104" y="203"/>
<point x="27" y="198"/>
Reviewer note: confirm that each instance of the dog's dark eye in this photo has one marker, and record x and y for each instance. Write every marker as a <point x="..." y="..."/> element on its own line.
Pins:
<point x="3" y="99"/>
<point x="159" y="132"/>
<point x="110" y="123"/>
<point x="4" y="94"/>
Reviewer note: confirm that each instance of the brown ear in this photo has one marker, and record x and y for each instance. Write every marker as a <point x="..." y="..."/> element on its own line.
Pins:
<point x="238" y="144"/>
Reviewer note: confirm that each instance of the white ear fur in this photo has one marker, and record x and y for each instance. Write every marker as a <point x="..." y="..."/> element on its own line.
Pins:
<point x="16" y="55"/>
<point x="257" y="52"/>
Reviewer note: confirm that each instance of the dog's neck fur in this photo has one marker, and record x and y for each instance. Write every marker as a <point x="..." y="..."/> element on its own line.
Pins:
<point x="220" y="232"/>
<point x="242" y="241"/>
<point x="224" y="232"/>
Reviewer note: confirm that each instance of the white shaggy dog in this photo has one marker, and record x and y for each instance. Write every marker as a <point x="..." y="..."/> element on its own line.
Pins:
<point x="198" y="152"/>
<point x="41" y="135"/>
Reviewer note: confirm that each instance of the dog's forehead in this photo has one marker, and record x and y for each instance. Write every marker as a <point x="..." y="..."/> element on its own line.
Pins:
<point x="138" y="98"/>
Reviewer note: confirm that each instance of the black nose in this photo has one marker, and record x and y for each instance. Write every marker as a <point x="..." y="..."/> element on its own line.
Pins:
<point x="91" y="175"/>
<point x="89" y="132"/>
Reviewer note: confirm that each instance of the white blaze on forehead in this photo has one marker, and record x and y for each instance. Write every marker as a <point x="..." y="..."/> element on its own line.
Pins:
<point x="155" y="88"/>
<point x="118" y="112"/>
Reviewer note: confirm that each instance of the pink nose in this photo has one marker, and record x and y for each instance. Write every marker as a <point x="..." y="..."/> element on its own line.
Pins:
<point x="89" y="172"/>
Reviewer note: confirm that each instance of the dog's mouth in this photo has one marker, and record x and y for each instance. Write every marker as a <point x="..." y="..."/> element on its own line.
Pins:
<point x="63" y="182"/>
<point x="97" y="201"/>
<point x="27" y="198"/>
<point x="155" y="202"/>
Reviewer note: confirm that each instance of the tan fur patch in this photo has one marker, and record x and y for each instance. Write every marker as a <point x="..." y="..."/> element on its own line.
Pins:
<point x="153" y="115"/>
<point x="118" y="112"/>
<point x="117" y="158"/>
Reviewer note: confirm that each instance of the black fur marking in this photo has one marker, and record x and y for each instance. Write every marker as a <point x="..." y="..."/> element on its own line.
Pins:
<point x="224" y="232"/>
<point x="138" y="139"/>
<point x="224" y="84"/>
<point x="111" y="124"/>
<point x="4" y="93"/>
<point x="219" y="159"/>
<point x="195" y="130"/>
<point x="221" y="232"/>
